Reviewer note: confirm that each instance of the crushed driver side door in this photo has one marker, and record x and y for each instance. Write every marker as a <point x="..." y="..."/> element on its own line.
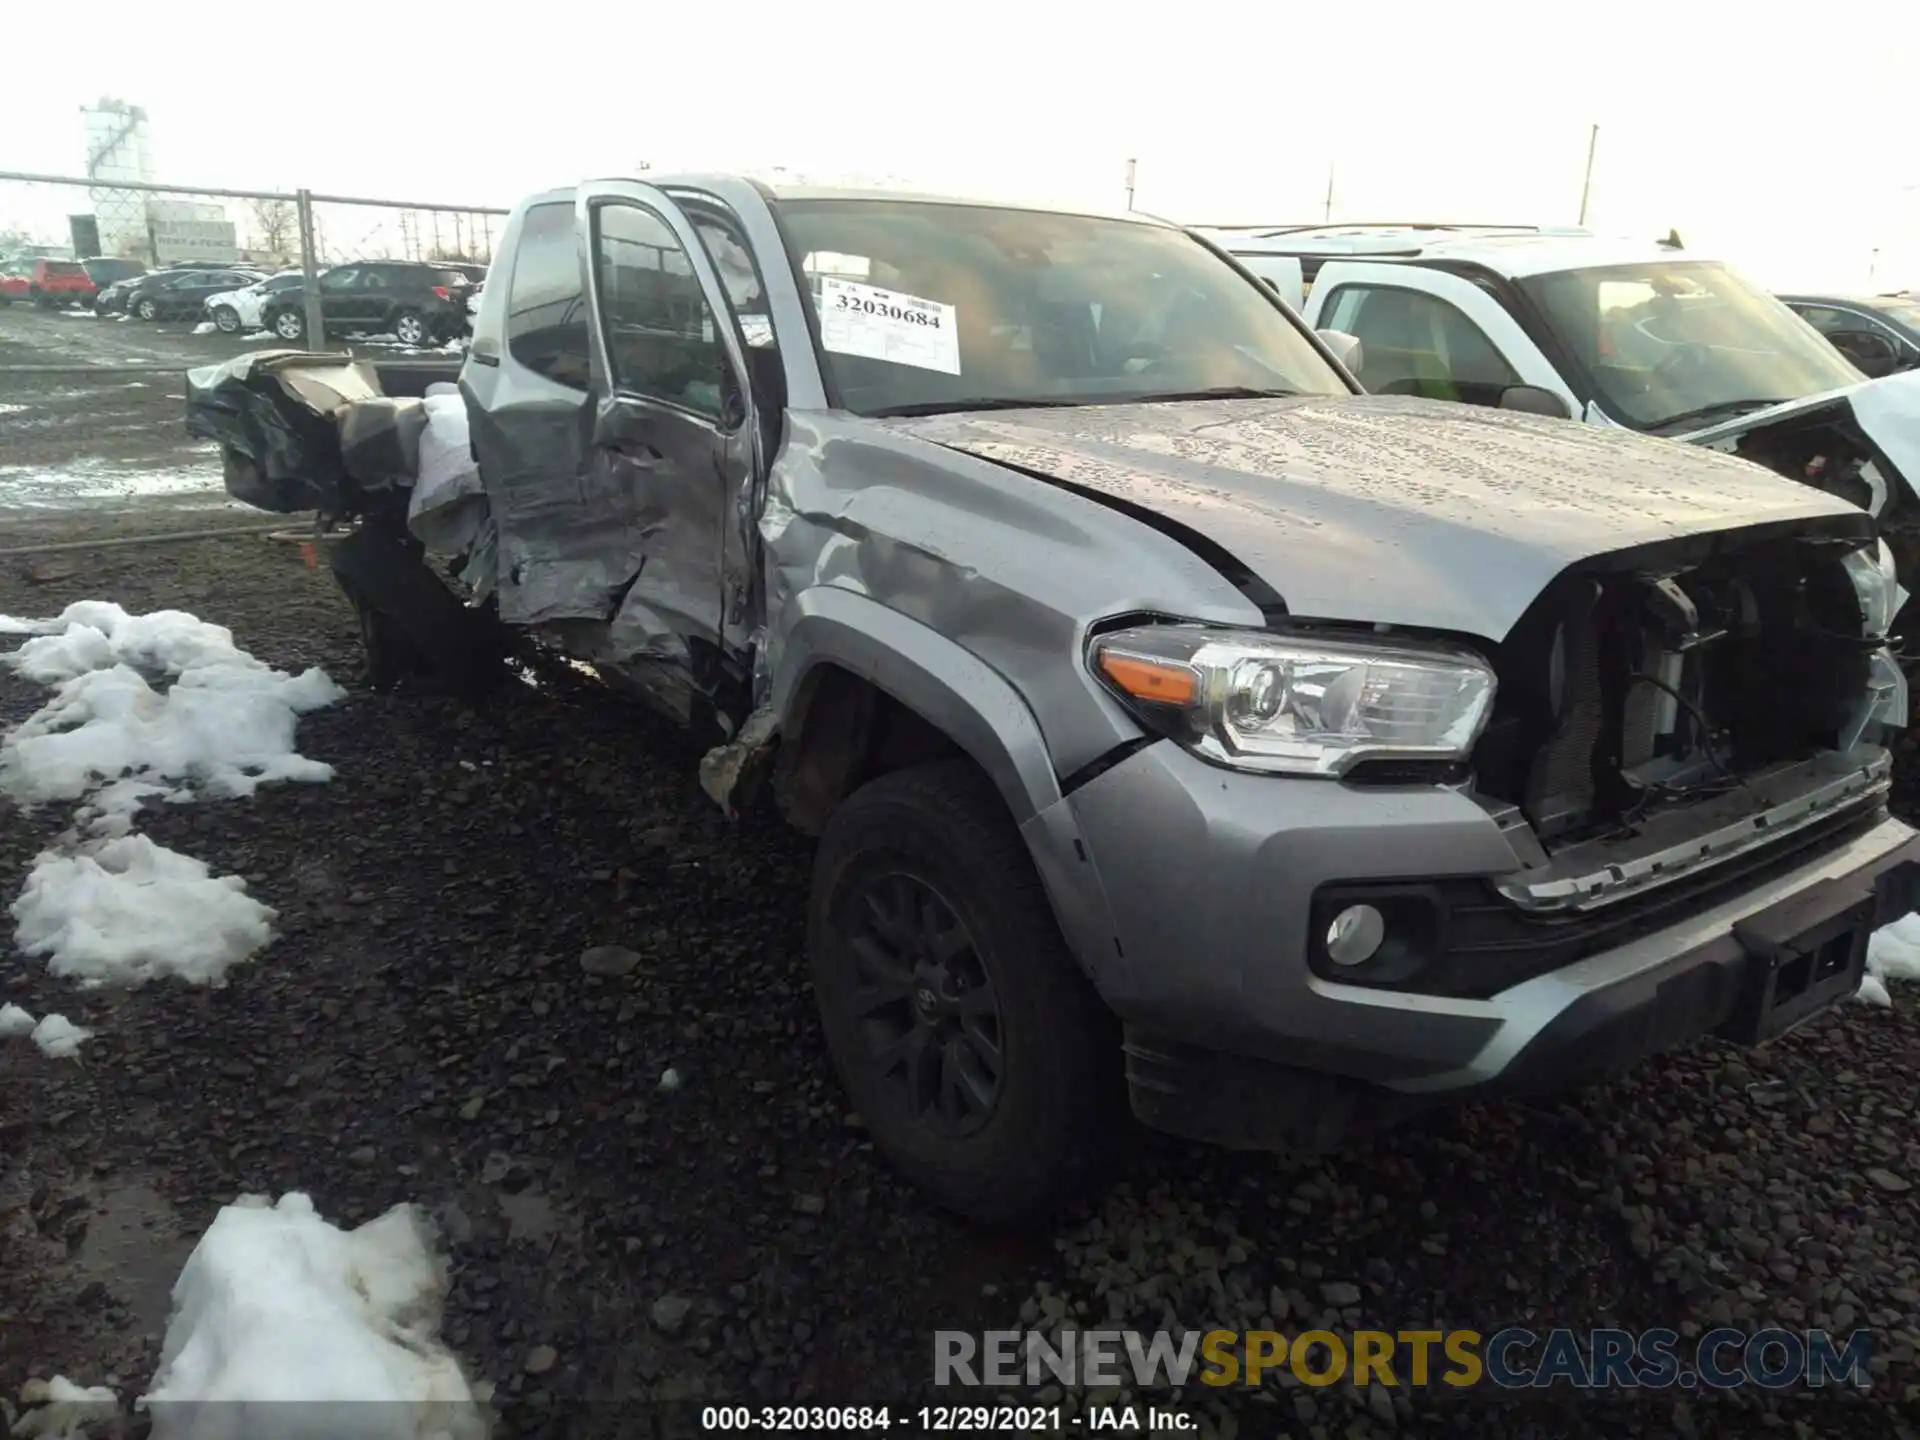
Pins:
<point x="671" y="439"/>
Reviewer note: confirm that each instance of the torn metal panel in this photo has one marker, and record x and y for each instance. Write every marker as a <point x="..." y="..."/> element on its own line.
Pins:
<point x="675" y="518"/>
<point x="380" y="442"/>
<point x="569" y="543"/>
<point x="272" y="414"/>
<point x="481" y="574"/>
<point x="448" y="505"/>
<point x="732" y="772"/>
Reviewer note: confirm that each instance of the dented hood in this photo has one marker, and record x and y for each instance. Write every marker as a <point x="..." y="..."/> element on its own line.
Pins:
<point x="1383" y="509"/>
<point x="1887" y="412"/>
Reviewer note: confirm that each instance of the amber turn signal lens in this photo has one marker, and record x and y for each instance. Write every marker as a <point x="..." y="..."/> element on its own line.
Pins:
<point x="1151" y="680"/>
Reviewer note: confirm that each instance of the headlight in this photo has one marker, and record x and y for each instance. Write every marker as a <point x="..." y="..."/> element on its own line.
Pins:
<point x="1875" y="586"/>
<point x="1298" y="705"/>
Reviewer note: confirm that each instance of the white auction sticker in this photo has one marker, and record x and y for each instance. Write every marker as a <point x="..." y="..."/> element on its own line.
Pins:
<point x="886" y="325"/>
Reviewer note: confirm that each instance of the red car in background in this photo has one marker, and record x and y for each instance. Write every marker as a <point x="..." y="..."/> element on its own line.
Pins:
<point x="48" y="283"/>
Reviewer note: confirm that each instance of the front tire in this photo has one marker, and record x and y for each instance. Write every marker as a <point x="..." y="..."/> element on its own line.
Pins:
<point x="290" y="325"/>
<point x="410" y="328"/>
<point x="147" y="309"/>
<point x="962" y="1029"/>
<point x="226" y="319"/>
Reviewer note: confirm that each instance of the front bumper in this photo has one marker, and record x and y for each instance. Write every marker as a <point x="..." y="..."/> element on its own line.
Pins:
<point x="1207" y="879"/>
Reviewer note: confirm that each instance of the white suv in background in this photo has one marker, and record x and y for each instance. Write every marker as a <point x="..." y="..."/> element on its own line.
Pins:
<point x="1643" y="336"/>
<point x="238" y="311"/>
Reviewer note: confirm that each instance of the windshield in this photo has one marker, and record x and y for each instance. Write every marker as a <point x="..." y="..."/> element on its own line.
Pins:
<point x="1901" y="312"/>
<point x="928" y="306"/>
<point x="1669" y="343"/>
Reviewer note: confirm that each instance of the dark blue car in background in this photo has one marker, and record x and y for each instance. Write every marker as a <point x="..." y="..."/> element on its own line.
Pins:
<point x="1880" y="334"/>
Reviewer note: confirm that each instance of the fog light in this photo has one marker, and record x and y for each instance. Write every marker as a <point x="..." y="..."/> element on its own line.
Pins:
<point x="1356" y="932"/>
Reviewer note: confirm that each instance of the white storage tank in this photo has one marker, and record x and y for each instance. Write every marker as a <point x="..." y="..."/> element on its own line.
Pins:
<point x="118" y="150"/>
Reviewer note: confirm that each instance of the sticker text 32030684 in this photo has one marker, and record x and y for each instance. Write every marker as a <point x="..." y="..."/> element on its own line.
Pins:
<point x="879" y="324"/>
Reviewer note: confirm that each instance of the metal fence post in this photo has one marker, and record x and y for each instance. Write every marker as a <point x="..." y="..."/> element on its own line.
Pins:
<point x="310" y="268"/>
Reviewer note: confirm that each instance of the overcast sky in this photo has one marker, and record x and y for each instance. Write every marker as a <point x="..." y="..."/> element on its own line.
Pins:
<point x="1779" y="136"/>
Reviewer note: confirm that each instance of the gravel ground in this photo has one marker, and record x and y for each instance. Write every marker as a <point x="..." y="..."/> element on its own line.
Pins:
<point x="423" y="1029"/>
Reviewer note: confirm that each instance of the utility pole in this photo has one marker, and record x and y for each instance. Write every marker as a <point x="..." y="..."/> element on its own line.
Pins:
<point x="1586" y="185"/>
<point x="1326" y="215"/>
<point x="1132" y="167"/>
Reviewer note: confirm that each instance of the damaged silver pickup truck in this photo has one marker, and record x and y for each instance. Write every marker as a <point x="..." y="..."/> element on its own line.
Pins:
<point x="1177" y="722"/>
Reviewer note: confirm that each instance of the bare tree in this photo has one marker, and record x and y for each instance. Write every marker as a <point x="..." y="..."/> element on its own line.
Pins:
<point x="273" y="224"/>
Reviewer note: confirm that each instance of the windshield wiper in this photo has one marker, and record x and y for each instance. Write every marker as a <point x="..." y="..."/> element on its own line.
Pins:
<point x="1723" y="410"/>
<point x="1216" y="392"/>
<point x="943" y="407"/>
<point x="1008" y="402"/>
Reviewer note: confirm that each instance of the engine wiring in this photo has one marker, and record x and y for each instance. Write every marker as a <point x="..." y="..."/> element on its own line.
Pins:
<point x="1730" y="780"/>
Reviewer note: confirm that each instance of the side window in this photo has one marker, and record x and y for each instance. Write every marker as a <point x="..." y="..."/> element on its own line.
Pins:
<point x="341" y="279"/>
<point x="661" y="340"/>
<point x="1873" y="347"/>
<point x="1417" y="344"/>
<point x="373" y="279"/>
<point x="741" y="277"/>
<point x="546" y="313"/>
<point x="1821" y="318"/>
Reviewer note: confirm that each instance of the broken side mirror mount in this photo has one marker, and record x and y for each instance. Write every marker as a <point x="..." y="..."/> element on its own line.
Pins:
<point x="1535" y="400"/>
<point x="1346" y="348"/>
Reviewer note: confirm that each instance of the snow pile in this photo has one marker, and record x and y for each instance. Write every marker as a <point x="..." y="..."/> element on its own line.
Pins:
<point x="114" y="906"/>
<point x="222" y="728"/>
<point x="284" y="1326"/>
<point x="65" y="1409"/>
<point x="58" y="1037"/>
<point x="1893" y="953"/>
<point x="130" y="910"/>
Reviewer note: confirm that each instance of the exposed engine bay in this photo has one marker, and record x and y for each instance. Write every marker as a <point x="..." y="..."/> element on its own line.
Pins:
<point x="1829" y="448"/>
<point x="1828" y="456"/>
<point x="1720" y="684"/>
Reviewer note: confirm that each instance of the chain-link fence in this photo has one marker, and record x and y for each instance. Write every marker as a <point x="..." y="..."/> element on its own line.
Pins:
<point x="135" y="250"/>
